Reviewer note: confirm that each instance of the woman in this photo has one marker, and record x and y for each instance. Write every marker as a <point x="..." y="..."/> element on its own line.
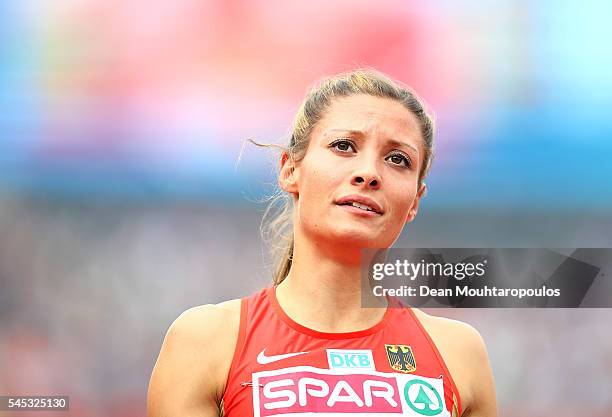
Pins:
<point x="353" y="177"/>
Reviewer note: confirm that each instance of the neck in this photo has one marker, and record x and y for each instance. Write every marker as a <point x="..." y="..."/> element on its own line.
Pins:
<point x="323" y="288"/>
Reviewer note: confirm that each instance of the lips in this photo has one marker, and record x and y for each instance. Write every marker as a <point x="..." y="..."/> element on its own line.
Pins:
<point x="361" y="202"/>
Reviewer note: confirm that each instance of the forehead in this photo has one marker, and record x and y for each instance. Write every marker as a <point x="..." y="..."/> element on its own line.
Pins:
<point x="371" y="114"/>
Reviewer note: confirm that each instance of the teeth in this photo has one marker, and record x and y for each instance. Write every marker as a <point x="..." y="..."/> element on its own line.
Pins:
<point x="361" y="206"/>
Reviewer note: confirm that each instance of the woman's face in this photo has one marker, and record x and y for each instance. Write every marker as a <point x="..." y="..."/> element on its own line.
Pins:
<point x="357" y="183"/>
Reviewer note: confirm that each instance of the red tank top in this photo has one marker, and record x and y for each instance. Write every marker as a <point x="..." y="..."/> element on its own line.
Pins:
<point x="281" y="368"/>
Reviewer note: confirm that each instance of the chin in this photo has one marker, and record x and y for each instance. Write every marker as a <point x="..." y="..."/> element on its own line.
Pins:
<point x="358" y="237"/>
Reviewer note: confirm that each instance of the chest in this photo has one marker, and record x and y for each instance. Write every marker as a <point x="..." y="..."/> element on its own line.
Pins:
<point x="359" y="377"/>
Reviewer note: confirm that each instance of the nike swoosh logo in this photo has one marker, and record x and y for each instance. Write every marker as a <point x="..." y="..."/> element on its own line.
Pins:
<point x="262" y="359"/>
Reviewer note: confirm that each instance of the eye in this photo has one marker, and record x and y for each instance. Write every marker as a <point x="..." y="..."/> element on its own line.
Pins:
<point x="400" y="159"/>
<point x="343" y="145"/>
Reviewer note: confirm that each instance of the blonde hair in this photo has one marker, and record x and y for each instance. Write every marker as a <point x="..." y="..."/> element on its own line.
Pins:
<point x="277" y="225"/>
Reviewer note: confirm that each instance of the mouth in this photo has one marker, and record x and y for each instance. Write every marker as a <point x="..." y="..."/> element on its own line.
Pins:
<point x="361" y="203"/>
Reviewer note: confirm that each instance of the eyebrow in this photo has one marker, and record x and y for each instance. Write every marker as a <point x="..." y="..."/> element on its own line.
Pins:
<point x="393" y="142"/>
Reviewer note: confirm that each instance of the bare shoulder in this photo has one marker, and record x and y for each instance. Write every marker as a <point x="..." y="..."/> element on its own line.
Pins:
<point x="462" y="335"/>
<point x="464" y="351"/>
<point x="212" y="315"/>
<point x="190" y="373"/>
<point x="203" y="323"/>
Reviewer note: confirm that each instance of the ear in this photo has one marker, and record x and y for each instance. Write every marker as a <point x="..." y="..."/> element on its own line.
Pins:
<point x="287" y="175"/>
<point x="415" y="204"/>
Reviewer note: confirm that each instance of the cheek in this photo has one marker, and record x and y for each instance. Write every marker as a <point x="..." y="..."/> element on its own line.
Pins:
<point x="401" y="202"/>
<point x="318" y="183"/>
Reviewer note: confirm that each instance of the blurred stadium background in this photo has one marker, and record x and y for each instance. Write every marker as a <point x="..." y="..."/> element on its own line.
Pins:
<point x="122" y="201"/>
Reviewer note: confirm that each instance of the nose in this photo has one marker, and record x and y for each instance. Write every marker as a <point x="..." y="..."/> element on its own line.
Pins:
<point x="370" y="180"/>
<point x="366" y="173"/>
